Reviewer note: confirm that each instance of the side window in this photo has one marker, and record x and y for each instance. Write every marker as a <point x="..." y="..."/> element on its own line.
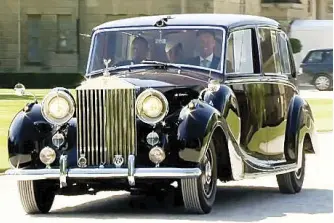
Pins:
<point x="270" y="57"/>
<point x="329" y="57"/>
<point x="315" y="57"/>
<point x="284" y="53"/>
<point x="239" y="57"/>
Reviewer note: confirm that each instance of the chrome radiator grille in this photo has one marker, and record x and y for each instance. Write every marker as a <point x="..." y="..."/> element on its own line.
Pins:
<point x="106" y="124"/>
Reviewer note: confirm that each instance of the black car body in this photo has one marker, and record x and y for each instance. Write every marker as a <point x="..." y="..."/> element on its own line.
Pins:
<point x="141" y="126"/>
<point x="317" y="69"/>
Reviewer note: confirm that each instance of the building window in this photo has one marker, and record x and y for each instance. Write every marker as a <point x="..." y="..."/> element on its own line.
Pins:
<point x="34" y="38"/>
<point x="66" y="34"/>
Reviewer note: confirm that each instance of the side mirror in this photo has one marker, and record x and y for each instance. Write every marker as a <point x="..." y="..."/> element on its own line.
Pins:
<point x="19" y="89"/>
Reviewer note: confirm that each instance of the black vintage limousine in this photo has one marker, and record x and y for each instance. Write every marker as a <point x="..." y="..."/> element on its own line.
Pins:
<point x="170" y="102"/>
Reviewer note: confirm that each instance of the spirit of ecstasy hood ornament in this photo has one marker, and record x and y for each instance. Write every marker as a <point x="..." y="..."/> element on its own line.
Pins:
<point x="106" y="63"/>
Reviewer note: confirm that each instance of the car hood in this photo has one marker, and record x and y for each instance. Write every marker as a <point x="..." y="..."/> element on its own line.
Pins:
<point x="164" y="79"/>
<point x="146" y="79"/>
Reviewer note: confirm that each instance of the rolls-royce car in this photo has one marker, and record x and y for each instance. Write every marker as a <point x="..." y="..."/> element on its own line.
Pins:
<point x="169" y="103"/>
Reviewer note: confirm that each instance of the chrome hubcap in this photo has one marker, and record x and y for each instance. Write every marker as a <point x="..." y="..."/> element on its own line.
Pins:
<point x="322" y="82"/>
<point x="207" y="174"/>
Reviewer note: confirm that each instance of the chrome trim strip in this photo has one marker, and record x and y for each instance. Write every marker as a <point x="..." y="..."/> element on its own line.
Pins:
<point x="131" y="170"/>
<point x="152" y="173"/>
<point x="63" y="171"/>
<point x="97" y="145"/>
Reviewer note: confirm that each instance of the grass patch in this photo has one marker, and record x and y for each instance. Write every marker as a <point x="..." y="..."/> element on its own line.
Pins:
<point x="322" y="110"/>
<point x="10" y="104"/>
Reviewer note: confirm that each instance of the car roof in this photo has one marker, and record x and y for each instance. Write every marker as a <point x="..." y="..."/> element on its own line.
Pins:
<point x="221" y="20"/>
<point x="321" y="49"/>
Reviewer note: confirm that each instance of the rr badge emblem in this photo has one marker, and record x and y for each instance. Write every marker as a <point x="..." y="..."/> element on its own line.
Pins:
<point x="118" y="161"/>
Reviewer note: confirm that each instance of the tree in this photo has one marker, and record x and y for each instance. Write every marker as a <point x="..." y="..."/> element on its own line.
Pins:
<point x="296" y="45"/>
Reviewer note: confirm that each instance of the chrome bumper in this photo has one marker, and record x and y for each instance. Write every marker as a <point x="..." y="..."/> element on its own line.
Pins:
<point x="130" y="173"/>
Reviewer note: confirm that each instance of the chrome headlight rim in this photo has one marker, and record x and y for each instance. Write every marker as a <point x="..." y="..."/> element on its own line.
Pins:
<point x="139" y="105"/>
<point x="51" y="96"/>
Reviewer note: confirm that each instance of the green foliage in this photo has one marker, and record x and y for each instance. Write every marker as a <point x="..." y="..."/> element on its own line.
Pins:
<point x="296" y="45"/>
<point x="41" y="80"/>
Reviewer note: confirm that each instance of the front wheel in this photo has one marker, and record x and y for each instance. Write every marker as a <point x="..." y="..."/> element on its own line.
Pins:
<point x="292" y="182"/>
<point x="36" y="196"/>
<point x="199" y="193"/>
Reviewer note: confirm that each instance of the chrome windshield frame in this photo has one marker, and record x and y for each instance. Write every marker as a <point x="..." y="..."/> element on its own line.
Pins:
<point x="208" y="70"/>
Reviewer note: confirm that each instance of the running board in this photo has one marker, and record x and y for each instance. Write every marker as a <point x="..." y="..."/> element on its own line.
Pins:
<point x="274" y="170"/>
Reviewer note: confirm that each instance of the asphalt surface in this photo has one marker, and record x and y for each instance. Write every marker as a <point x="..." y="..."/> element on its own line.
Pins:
<point x="254" y="200"/>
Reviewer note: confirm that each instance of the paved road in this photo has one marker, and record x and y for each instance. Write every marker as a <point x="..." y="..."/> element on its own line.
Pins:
<point x="243" y="201"/>
<point x="308" y="91"/>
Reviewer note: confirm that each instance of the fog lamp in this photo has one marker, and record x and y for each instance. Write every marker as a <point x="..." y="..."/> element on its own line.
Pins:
<point x="157" y="155"/>
<point x="58" y="140"/>
<point x="47" y="155"/>
<point x="152" y="138"/>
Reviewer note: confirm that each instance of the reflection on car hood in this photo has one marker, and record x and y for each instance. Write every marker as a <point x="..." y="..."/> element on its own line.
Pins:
<point x="164" y="79"/>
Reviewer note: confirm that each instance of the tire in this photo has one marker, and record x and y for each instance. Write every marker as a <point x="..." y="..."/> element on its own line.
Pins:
<point x="195" y="198"/>
<point x="36" y="197"/>
<point x="292" y="182"/>
<point x="323" y="82"/>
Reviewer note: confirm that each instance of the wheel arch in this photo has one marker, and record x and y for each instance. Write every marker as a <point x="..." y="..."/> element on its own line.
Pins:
<point x="300" y="129"/>
<point x="223" y="156"/>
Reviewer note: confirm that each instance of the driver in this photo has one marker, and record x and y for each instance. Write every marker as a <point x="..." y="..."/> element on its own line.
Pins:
<point x="139" y="47"/>
<point x="207" y="58"/>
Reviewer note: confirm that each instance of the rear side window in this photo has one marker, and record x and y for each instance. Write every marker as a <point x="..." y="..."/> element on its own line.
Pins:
<point x="239" y="56"/>
<point x="271" y="62"/>
<point x="284" y="53"/>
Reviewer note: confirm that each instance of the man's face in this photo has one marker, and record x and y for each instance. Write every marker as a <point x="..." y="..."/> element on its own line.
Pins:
<point x="207" y="44"/>
<point x="139" y="51"/>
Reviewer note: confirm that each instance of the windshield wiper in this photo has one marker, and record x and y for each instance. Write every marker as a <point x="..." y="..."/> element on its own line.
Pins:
<point x="161" y="64"/>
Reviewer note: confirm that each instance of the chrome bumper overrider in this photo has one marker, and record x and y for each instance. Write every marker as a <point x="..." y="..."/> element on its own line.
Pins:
<point x="130" y="173"/>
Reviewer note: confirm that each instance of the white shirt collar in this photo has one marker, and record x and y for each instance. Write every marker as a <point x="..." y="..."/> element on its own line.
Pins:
<point x="209" y="58"/>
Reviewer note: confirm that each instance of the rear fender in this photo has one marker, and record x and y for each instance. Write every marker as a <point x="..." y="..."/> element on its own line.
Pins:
<point x="300" y="123"/>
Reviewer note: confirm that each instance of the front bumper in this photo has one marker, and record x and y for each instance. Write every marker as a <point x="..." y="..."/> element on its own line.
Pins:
<point x="130" y="173"/>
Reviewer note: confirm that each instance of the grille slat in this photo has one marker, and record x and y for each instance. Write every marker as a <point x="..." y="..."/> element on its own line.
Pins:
<point x="106" y="124"/>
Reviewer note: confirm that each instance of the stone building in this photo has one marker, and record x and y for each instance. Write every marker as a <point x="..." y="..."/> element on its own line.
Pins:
<point x="45" y="35"/>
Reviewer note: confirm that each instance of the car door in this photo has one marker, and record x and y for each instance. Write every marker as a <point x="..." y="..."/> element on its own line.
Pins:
<point x="277" y="67"/>
<point x="243" y="76"/>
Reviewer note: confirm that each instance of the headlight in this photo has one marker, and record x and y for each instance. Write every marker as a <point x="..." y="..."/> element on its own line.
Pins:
<point x="58" y="107"/>
<point x="151" y="106"/>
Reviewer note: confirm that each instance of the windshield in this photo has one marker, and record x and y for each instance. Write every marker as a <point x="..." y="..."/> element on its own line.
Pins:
<point x="197" y="47"/>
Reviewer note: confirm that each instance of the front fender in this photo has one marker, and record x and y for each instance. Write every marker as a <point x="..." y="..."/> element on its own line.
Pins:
<point x="27" y="133"/>
<point x="219" y="108"/>
<point x="225" y="101"/>
<point x="195" y="129"/>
